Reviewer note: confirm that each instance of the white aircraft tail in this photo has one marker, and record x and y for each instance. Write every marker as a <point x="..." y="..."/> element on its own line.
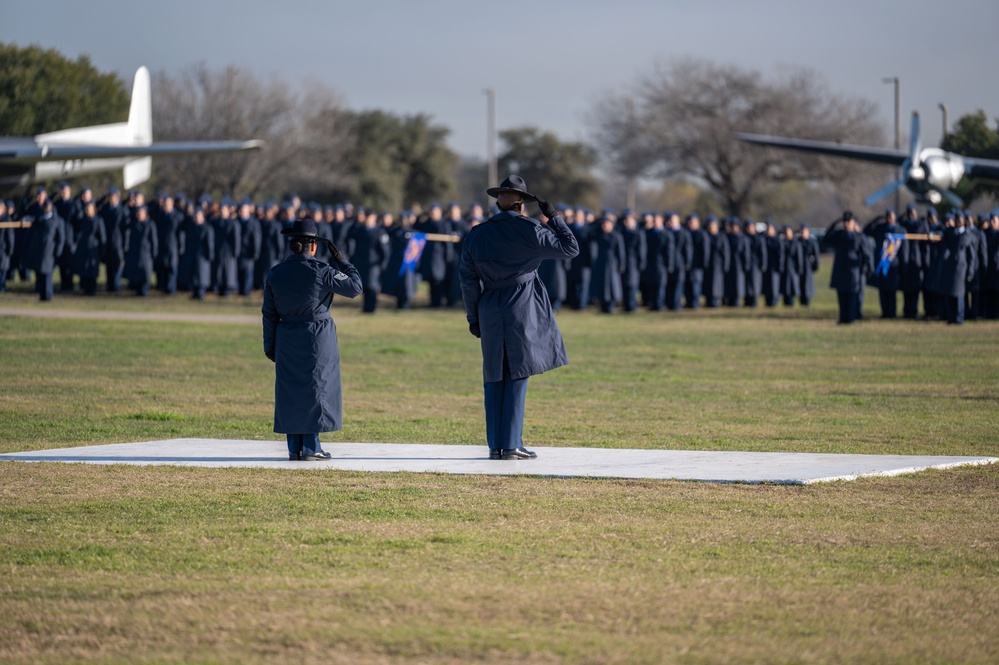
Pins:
<point x="140" y="128"/>
<point x="137" y="131"/>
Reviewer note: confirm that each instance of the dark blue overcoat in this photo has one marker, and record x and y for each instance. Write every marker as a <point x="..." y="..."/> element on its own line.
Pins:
<point x="718" y="265"/>
<point x="142" y="244"/>
<point x="757" y="264"/>
<point x="958" y="262"/>
<point x="394" y="284"/>
<point x="809" y="266"/>
<point x="6" y="245"/>
<point x="794" y="266"/>
<point x="608" y="262"/>
<point x="168" y="237"/>
<point x="300" y="337"/>
<point x="199" y="254"/>
<point x="228" y="243"/>
<point x="852" y="262"/>
<point x="776" y="258"/>
<point x="90" y="247"/>
<point x="46" y="238"/>
<point x="735" y="276"/>
<point x="503" y="294"/>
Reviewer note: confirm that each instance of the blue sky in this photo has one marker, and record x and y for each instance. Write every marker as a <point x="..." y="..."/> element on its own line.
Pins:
<point x="547" y="61"/>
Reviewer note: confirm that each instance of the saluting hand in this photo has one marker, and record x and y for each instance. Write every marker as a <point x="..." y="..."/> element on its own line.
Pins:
<point x="335" y="252"/>
<point x="547" y="209"/>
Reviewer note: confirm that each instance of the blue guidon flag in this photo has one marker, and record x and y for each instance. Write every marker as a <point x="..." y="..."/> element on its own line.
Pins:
<point x="889" y="250"/>
<point x="414" y="250"/>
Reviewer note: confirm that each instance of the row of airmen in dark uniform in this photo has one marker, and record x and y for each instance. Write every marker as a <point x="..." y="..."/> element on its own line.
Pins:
<point x="954" y="264"/>
<point x="626" y="260"/>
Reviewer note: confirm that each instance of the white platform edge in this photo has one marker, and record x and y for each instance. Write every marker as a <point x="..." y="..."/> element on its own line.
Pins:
<point x="737" y="467"/>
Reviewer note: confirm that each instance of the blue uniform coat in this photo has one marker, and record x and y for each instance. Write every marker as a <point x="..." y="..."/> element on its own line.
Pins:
<point x="503" y="294"/>
<point x="199" y="254"/>
<point x="300" y="337"/>
<point x="608" y="263"/>
<point x="718" y="265"/>
<point x="90" y="247"/>
<point x="809" y="266"/>
<point x="853" y="260"/>
<point x="142" y="246"/>
<point x="46" y="238"/>
<point x="958" y="262"/>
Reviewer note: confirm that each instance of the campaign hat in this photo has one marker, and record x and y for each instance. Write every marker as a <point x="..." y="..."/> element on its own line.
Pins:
<point x="513" y="184"/>
<point x="302" y="228"/>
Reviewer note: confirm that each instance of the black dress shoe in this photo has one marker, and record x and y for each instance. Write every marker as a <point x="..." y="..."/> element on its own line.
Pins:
<point x="294" y="457"/>
<point x="495" y="453"/>
<point x="518" y="453"/>
<point x="320" y="456"/>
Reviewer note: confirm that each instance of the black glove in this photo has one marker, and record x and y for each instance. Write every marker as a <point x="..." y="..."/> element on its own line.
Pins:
<point x="547" y="209"/>
<point x="474" y="329"/>
<point x="270" y="356"/>
<point x="335" y="252"/>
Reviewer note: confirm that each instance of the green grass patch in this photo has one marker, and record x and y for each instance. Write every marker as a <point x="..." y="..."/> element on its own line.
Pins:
<point x="180" y="565"/>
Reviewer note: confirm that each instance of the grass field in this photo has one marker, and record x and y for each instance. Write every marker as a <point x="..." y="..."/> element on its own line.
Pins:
<point x="165" y="565"/>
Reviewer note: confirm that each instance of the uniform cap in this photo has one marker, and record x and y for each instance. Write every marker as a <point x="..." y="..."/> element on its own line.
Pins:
<point x="302" y="228"/>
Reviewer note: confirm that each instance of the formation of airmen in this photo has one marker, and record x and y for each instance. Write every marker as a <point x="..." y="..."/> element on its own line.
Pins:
<point x="627" y="260"/>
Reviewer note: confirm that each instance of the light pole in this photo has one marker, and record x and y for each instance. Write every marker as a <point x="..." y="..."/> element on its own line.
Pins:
<point x="943" y="109"/>
<point x="491" y="136"/>
<point x="898" y="135"/>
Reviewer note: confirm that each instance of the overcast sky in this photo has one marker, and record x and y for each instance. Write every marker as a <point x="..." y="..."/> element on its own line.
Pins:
<point x="548" y="61"/>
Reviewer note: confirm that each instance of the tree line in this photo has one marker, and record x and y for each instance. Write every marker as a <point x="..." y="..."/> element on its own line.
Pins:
<point x="664" y="139"/>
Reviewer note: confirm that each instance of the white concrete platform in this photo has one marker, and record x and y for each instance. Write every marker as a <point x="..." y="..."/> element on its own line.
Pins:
<point x="708" y="466"/>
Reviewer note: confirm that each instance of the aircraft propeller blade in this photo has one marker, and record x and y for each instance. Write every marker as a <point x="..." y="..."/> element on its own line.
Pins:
<point x="950" y="197"/>
<point x="883" y="192"/>
<point x="915" y="143"/>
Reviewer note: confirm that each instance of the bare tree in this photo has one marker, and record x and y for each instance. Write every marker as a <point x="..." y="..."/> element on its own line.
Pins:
<point x="688" y="110"/>
<point x="305" y="134"/>
<point x="620" y="131"/>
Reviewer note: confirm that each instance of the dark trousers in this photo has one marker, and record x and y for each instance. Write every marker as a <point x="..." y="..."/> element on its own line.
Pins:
<point x="89" y="285"/>
<point x="712" y="302"/>
<point x="931" y="304"/>
<point x="889" y="303"/>
<point x="805" y="301"/>
<point x="303" y="444"/>
<point x="245" y="277"/>
<point x="370" y="299"/>
<point x="577" y="292"/>
<point x="654" y="295"/>
<point x="114" y="269"/>
<point x="693" y="292"/>
<point x="438" y="291"/>
<point x="630" y="298"/>
<point x="65" y="278"/>
<point x="990" y="304"/>
<point x="674" y="291"/>
<point x="3" y="280"/>
<point x="749" y="301"/>
<point x="402" y="292"/>
<point x="910" y="304"/>
<point x="607" y="306"/>
<point x="849" y="306"/>
<point x="974" y="308"/>
<point x="954" y="309"/>
<point x="505" y="402"/>
<point x="43" y="284"/>
<point x="166" y="279"/>
<point x="140" y="284"/>
<point x="789" y="301"/>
